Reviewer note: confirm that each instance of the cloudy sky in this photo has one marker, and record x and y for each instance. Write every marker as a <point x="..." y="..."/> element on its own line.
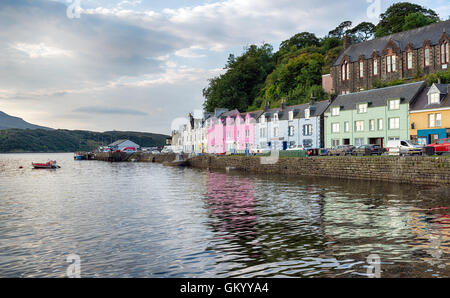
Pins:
<point x="137" y="64"/>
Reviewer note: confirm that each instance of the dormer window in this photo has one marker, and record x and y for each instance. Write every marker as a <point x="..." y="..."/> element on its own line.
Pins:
<point x="394" y="104"/>
<point x="275" y="117"/>
<point x="435" y="98"/>
<point x="307" y="114"/>
<point x="362" y="108"/>
<point x="335" y="111"/>
<point x="263" y="119"/>
<point x="291" y="115"/>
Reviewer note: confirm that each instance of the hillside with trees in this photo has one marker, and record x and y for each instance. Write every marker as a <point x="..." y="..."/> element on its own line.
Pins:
<point x="294" y="72"/>
<point x="59" y="140"/>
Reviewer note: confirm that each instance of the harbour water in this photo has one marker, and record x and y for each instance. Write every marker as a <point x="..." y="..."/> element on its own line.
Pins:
<point x="147" y="220"/>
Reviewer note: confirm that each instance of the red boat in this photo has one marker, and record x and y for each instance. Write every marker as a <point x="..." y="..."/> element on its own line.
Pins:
<point x="49" y="165"/>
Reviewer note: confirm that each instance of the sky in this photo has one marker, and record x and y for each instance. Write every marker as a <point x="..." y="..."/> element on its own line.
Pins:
<point x="136" y="65"/>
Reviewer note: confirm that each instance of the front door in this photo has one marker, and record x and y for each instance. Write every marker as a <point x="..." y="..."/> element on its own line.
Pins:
<point x="434" y="138"/>
<point x="284" y="145"/>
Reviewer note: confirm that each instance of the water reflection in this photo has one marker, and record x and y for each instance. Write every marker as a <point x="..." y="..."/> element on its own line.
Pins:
<point x="146" y="220"/>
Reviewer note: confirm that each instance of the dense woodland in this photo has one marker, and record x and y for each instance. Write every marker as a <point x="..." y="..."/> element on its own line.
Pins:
<point x="40" y="140"/>
<point x="294" y="72"/>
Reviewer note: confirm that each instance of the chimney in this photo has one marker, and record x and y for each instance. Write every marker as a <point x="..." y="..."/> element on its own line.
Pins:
<point x="283" y="104"/>
<point x="267" y="106"/>
<point x="439" y="80"/>
<point x="312" y="100"/>
<point x="347" y="41"/>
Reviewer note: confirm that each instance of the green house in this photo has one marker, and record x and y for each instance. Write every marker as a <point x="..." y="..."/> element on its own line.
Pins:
<point x="371" y="117"/>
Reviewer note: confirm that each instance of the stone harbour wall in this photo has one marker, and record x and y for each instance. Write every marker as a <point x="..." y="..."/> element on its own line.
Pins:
<point x="415" y="170"/>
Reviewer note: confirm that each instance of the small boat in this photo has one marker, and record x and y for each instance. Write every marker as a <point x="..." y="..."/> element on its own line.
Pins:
<point x="49" y="165"/>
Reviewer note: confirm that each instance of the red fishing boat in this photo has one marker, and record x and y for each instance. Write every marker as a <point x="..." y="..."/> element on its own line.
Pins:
<point x="48" y="165"/>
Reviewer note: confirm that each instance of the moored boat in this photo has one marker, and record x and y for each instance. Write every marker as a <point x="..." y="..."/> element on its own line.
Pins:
<point x="48" y="165"/>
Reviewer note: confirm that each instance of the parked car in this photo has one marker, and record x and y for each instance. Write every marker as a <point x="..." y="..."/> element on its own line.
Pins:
<point x="365" y="150"/>
<point x="406" y="147"/>
<point x="296" y="148"/>
<point x="341" y="150"/>
<point x="442" y="146"/>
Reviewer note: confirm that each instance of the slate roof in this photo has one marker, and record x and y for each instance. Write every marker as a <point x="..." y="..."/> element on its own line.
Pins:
<point x="416" y="37"/>
<point x="378" y="97"/>
<point x="421" y="103"/>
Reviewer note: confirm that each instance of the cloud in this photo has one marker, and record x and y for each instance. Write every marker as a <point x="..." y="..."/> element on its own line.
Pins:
<point x="40" y="50"/>
<point x="109" y="111"/>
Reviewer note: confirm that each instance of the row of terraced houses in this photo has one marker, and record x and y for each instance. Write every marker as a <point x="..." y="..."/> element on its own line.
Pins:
<point x="358" y="115"/>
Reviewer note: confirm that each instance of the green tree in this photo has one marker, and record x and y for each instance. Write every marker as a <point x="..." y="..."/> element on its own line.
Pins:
<point x="394" y="18"/>
<point x="362" y="32"/>
<point x="416" y="20"/>
<point x="340" y="30"/>
<point x="300" y="40"/>
<point x="243" y="80"/>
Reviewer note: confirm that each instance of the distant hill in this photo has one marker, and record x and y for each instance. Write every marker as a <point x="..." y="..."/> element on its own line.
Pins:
<point x="7" y="121"/>
<point x="59" y="140"/>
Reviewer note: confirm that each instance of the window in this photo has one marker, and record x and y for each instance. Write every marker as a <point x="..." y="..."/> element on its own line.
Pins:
<point x="335" y="127"/>
<point x="345" y="71"/>
<point x="380" y="124"/>
<point x="307" y="129"/>
<point x="362" y="108"/>
<point x="409" y="57"/>
<point x="371" y="125"/>
<point x="394" y="63"/>
<point x="335" y="111"/>
<point x="335" y="143"/>
<point x="307" y="114"/>
<point x="262" y="132"/>
<point x="394" y="139"/>
<point x="346" y="126"/>
<point x="361" y="69"/>
<point x="388" y="64"/>
<point x="444" y="53"/>
<point x="291" y="115"/>
<point x="394" y="123"/>
<point x="427" y="56"/>
<point x="435" y="98"/>
<point x="438" y="120"/>
<point x="263" y="119"/>
<point x="275" y="117"/>
<point x="247" y="133"/>
<point x="291" y="131"/>
<point x="375" y="66"/>
<point x="275" y="131"/>
<point x="394" y="104"/>
<point x="359" y="142"/>
<point x="359" y="125"/>
<point x="238" y="134"/>
<point x="307" y="143"/>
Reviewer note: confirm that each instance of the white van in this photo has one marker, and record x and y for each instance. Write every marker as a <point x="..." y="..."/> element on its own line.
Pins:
<point x="398" y="147"/>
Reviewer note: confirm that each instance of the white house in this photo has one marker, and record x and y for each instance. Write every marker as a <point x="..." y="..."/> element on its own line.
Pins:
<point x="122" y="144"/>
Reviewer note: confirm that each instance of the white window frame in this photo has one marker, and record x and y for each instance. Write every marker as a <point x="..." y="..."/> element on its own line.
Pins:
<point x="409" y="58"/>
<point x="394" y="104"/>
<point x="335" y="127"/>
<point x="427" y="55"/>
<point x="438" y="120"/>
<point x="372" y="125"/>
<point x="307" y="114"/>
<point x="335" y="111"/>
<point x="346" y="126"/>
<point x="359" y="125"/>
<point x="435" y="98"/>
<point x="380" y="124"/>
<point x="375" y="66"/>
<point x="394" y="123"/>
<point x="361" y="69"/>
<point x="362" y="108"/>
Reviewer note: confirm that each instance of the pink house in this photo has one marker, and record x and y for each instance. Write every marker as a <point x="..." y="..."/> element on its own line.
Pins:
<point x="231" y="133"/>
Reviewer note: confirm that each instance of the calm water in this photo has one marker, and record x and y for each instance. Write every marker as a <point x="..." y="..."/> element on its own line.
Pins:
<point x="146" y="220"/>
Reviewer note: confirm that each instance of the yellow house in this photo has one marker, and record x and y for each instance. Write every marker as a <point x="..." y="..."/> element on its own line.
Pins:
<point x="430" y="115"/>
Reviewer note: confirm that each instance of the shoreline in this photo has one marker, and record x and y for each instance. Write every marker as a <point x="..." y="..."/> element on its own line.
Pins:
<point x="431" y="171"/>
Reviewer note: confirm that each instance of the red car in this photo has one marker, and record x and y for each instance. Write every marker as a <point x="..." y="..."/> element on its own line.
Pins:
<point x="441" y="146"/>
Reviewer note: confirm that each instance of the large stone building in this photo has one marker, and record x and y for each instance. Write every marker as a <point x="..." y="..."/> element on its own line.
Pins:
<point x="397" y="56"/>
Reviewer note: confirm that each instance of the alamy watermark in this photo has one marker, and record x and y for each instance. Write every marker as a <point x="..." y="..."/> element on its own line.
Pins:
<point x="73" y="11"/>
<point x="374" y="268"/>
<point x="74" y="269"/>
